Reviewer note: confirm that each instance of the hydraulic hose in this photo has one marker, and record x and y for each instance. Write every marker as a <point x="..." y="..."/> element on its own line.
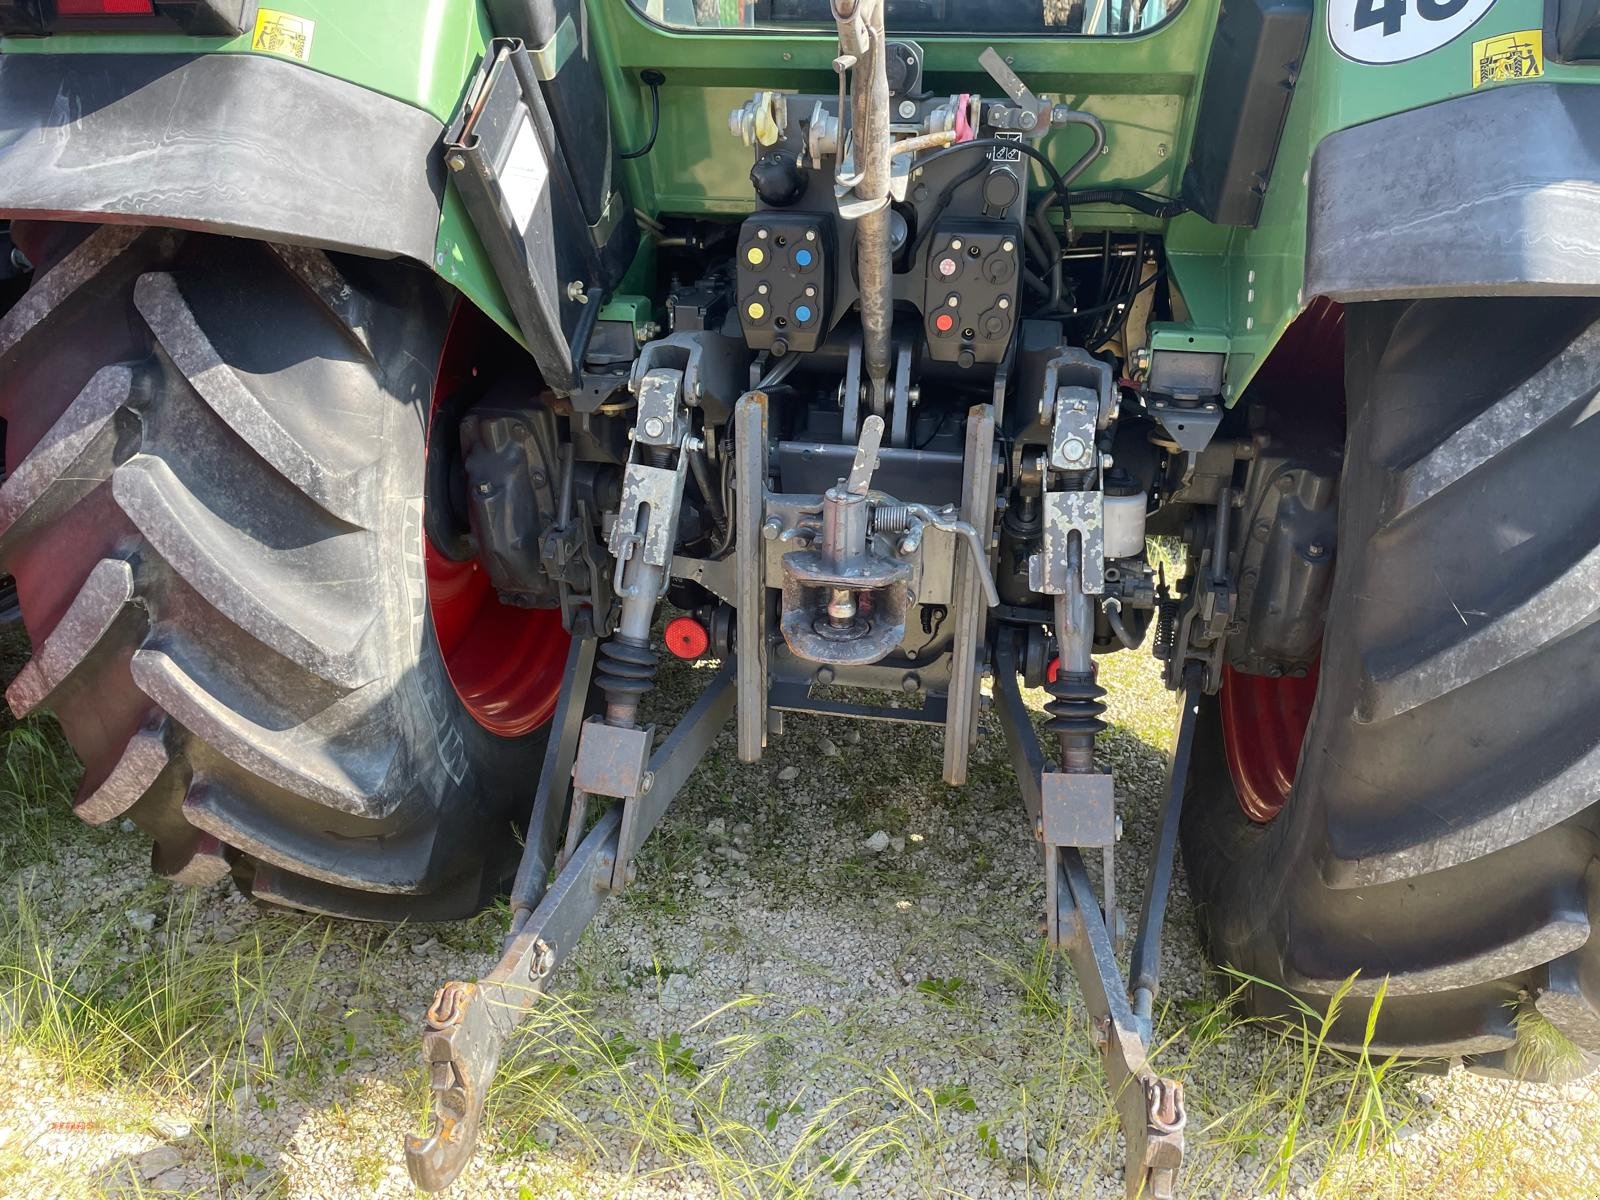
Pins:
<point x="1058" y="190"/>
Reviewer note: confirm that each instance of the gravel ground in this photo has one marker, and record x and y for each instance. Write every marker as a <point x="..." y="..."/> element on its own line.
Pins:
<point x="826" y="982"/>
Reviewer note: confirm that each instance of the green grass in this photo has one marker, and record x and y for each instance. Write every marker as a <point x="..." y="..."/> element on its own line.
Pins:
<point x="226" y="1019"/>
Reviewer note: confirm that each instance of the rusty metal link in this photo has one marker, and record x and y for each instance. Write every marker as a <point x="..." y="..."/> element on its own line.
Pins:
<point x="448" y="1005"/>
<point x="1163" y="1136"/>
<point x="1166" y="1105"/>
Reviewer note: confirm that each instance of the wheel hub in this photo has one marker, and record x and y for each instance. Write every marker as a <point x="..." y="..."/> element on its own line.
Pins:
<point x="504" y="661"/>
<point x="1264" y="724"/>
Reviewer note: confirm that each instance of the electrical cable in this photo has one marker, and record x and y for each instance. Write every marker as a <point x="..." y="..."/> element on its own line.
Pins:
<point x="1163" y="207"/>
<point x="654" y="79"/>
<point x="938" y="428"/>
<point x="1128" y="271"/>
<point x="1114" y="619"/>
<point x="1137" y="266"/>
<point x="1109" y="305"/>
<point x="726" y="477"/>
<point x="983" y="143"/>
<point x="1058" y="192"/>
<point x="777" y="373"/>
<point x="946" y="194"/>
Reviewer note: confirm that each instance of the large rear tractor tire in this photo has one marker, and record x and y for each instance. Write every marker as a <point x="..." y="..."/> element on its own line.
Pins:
<point x="1441" y="830"/>
<point x="213" y="512"/>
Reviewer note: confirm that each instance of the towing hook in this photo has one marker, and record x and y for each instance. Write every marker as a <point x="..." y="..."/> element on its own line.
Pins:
<point x="461" y="1053"/>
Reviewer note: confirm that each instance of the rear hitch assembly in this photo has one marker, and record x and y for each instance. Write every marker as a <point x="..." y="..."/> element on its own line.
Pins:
<point x="1150" y="1108"/>
<point x="466" y="1027"/>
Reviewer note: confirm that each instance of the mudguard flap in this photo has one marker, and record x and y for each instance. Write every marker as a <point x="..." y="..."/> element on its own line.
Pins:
<point x="229" y="143"/>
<point x="1495" y="193"/>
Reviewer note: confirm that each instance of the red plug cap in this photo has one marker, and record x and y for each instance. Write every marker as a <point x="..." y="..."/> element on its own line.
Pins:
<point x="687" y="638"/>
<point x="1053" y="671"/>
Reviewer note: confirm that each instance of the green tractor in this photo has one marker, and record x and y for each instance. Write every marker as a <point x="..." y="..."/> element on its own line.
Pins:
<point x="390" y="366"/>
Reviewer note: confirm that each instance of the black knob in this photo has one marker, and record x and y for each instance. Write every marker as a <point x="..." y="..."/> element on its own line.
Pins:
<point x="779" y="178"/>
<point x="965" y="359"/>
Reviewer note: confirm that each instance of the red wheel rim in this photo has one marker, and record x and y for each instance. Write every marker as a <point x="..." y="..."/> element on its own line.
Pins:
<point x="1263" y="727"/>
<point x="505" y="663"/>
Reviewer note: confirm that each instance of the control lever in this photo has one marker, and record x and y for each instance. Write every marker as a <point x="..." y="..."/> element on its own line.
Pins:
<point x="901" y="518"/>
<point x="866" y="460"/>
<point x="897" y="518"/>
<point x="1033" y="110"/>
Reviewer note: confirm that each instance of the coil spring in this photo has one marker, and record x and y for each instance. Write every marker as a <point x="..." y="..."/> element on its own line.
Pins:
<point x="1075" y="707"/>
<point x="626" y="671"/>
<point x="891" y="518"/>
<point x="1166" y="630"/>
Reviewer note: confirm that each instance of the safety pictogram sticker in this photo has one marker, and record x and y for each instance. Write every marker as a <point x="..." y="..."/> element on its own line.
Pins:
<point x="283" y="33"/>
<point x="1508" y="57"/>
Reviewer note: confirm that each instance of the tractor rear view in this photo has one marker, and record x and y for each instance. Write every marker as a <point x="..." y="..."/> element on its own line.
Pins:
<point x="398" y="382"/>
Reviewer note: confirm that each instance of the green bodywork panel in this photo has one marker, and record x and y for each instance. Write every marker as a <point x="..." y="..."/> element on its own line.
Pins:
<point x="1240" y="287"/>
<point x="1247" y="282"/>
<point x="1142" y="88"/>
<point x="423" y="52"/>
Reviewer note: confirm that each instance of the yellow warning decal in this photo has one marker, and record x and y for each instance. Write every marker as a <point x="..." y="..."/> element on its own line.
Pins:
<point x="280" y="33"/>
<point x="1507" y="57"/>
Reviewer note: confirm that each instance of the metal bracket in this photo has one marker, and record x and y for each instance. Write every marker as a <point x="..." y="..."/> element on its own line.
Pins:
<point x="750" y="550"/>
<point x="646" y="526"/>
<point x="1033" y="113"/>
<point x="1076" y="413"/>
<point x="657" y="421"/>
<point x="1072" y="432"/>
<point x="1192" y="425"/>
<point x="712" y="367"/>
<point x="613" y="760"/>
<point x="658" y="491"/>
<point x="1066" y="513"/>
<point x="977" y="510"/>
<point x="1080" y="809"/>
<point x="850" y="398"/>
<point x="717" y="575"/>
<point x="900" y="406"/>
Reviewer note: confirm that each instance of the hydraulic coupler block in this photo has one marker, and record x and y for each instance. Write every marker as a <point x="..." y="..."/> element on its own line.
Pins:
<point x="970" y="292"/>
<point x="785" y="272"/>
